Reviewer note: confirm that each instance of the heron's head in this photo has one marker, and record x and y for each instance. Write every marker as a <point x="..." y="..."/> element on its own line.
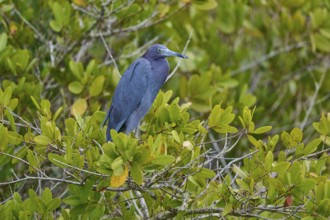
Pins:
<point x="159" y="51"/>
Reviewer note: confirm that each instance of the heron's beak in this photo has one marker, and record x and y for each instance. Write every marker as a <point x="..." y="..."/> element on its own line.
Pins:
<point x="170" y="53"/>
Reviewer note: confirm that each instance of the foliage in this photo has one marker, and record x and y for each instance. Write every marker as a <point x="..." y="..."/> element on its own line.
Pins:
<point x="241" y="129"/>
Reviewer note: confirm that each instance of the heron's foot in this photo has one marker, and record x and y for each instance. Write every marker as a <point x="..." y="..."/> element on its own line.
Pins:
<point x="137" y="133"/>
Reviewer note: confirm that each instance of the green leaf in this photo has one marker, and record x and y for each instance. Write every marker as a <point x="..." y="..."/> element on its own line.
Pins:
<point x="21" y="153"/>
<point x="75" y="87"/>
<point x="14" y="138"/>
<point x="246" y="99"/>
<point x="320" y="42"/>
<point x="220" y="119"/>
<point x="227" y="18"/>
<point x="269" y="161"/>
<point x="79" y="107"/>
<point x="281" y="167"/>
<point x="194" y="181"/>
<point x="98" y="212"/>
<point x="42" y="140"/>
<point x="320" y="192"/>
<point x="6" y="96"/>
<point x="41" y="206"/>
<point x="21" y="59"/>
<point x="36" y="104"/>
<point x="163" y="160"/>
<point x="243" y="185"/>
<point x="176" y="136"/>
<point x="118" y="162"/>
<point x="97" y="86"/>
<point x="312" y="146"/>
<point x="325" y="32"/>
<point x="72" y="200"/>
<point x="239" y="171"/>
<point x="57" y="160"/>
<point x="11" y="66"/>
<point x="276" y="184"/>
<point x="54" y="204"/>
<point x="296" y="135"/>
<point x="136" y="173"/>
<point x="324" y="125"/>
<point x="57" y="113"/>
<point x="3" y="41"/>
<point x="77" y="69"/>
<point x="262" y="130"/>
<point x="56" y="25"/>
<point x="306" y="185"/>
<point x="46" y="195"/>
<point x="90" y="67"/>
<point x="174" y="112"/>
<point x="31" y="158"/>
<point x="205" y="4"/>
<point x="227" y="209"/>
<point x="318" y="16"/>
<point x="206" y="173"/>
<point x="254" y="141"/>
<point x="61" y="12"/>
<point x="214" y="117"/>
<point x="323" y="208"/>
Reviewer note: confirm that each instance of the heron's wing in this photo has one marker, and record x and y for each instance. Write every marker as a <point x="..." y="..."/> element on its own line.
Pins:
<point x="128" y="94"/>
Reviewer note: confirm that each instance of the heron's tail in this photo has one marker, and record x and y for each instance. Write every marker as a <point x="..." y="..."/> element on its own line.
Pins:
<point x="107" y="118"/>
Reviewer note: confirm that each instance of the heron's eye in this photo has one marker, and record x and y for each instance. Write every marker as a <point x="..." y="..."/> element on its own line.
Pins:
<point x="159" y="50"/>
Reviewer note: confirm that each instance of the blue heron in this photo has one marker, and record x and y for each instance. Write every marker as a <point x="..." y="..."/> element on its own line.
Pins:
<point x="137" y="89"/>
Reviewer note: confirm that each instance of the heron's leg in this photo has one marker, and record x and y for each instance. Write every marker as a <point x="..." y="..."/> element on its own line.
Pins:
<point x="137" y="132"/>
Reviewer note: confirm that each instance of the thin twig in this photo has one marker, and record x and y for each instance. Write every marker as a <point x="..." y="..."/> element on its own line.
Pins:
<point x="82" y="170"/>
<point x="267" y="57"/>
<point x="24" y="161"/>
<point x="39" y="35"/>
<point x="312" y="102"/>
<point x="236" y="160"/>
<point x="108" y="50"/>
<point x="178" y="64"/>
<point x="132" y="54"/>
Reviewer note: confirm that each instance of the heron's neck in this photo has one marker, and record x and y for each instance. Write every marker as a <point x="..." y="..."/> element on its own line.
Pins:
<point x="160" y="70"/>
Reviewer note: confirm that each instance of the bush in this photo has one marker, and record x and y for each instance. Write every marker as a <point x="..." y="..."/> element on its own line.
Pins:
<point x="241" y="129"/>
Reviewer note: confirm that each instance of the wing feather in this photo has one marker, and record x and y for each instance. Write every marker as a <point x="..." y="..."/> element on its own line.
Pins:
<point x="128" y="94"/>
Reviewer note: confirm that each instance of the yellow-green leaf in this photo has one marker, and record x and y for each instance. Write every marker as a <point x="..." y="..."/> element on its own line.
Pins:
<point x="118" y="181"/>
<point x="163" y="160"/>
<point x="176" y="136"/>
<point x="262" y="130"/>
<point x="269" y="161"/>
<point x="3" y="41"/>
<point x="41" y="139"/>
<point x="320" y="42"/>
<point x="254" y="141"/>
<point x="36" y="104"/>
<point x="6" y="96"/>
<point x="81" y="3"/>
<point x="79" y="107"/>
<point x="75" y="87"/>
<point x="97" y="86"/>
<point x="312" y="146"/>
<point x="205" y="4"/>
<point x="296" y="135"/>
<point x="118" y="162"/>
<point x="136" y="173"/>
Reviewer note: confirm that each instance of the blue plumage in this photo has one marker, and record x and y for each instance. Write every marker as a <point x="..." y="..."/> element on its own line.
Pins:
<point x="137" y="89"/>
